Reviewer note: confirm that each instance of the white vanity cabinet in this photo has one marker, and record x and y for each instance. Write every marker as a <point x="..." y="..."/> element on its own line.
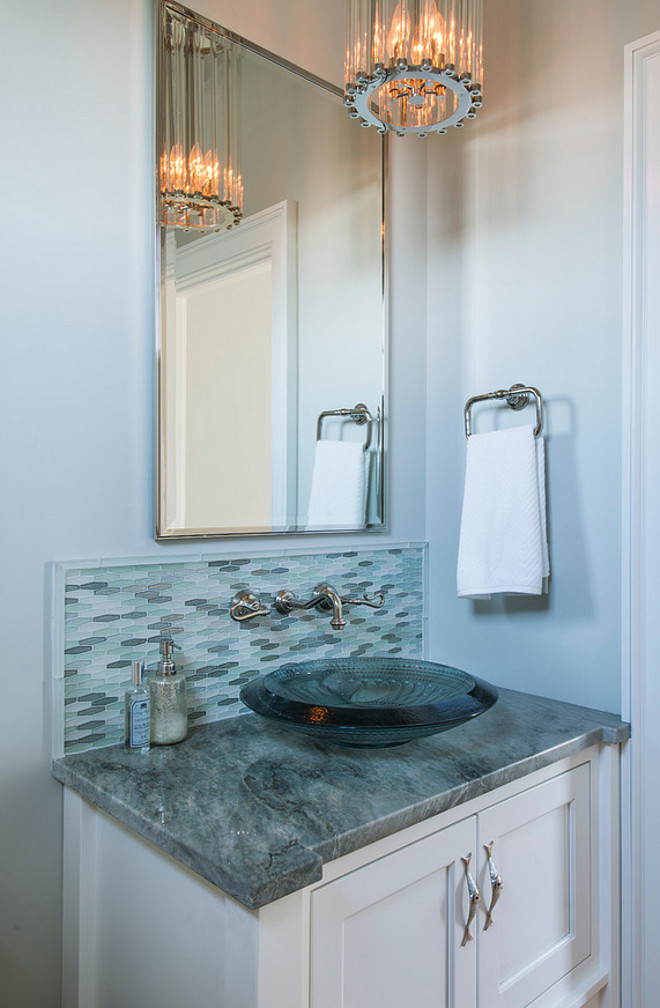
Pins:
<point x="389" y="933"/>
<point x="392" y="932"/>
<point x="385" y="926"/>
<point x="545" y="920"/>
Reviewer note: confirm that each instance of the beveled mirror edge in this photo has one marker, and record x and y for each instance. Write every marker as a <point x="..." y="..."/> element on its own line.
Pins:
<point x="253" y="47"/>
<point x="161" y="532"/>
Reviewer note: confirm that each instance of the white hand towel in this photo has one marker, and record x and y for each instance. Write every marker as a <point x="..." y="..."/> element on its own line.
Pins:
<point x="337" y="497"/>
<point x="503" y="541"/>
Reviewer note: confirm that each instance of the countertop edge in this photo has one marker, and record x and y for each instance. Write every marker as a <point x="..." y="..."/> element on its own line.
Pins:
<point x="352" y="841"/>
<point x="295" y="865"/>
<point x="308" y="868"/>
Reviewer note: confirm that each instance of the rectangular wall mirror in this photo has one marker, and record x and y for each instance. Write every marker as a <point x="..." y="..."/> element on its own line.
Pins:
<point x="271" y="344"/>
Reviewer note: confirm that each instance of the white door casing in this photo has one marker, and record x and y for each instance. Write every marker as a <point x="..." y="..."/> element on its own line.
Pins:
<point x="641" y="531"/>
<point x="264" y="242"/>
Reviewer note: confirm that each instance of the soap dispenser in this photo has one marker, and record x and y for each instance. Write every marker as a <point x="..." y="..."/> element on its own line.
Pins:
<point x="167" y="689"/>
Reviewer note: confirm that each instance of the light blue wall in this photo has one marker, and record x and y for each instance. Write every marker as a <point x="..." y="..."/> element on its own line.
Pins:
<point x="525" y="239"/>
<point x="76" y="364"/>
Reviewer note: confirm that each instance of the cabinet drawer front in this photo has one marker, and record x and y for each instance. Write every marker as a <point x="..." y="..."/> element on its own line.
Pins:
<point x="389" y="934"/>
<point x="542" y="921"/>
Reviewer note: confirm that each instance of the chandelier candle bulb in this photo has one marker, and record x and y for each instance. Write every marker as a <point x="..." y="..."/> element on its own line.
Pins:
<point x="201" y="185"/>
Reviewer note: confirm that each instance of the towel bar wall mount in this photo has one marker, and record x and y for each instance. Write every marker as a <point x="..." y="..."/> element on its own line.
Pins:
<point x="359" y="414"/>
<point x="517" y="397"/>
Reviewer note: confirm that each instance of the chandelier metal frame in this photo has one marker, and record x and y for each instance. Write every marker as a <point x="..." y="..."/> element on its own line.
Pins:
<point x="469" y="97"/>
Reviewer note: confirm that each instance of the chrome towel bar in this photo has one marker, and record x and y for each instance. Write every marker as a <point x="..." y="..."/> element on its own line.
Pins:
<point x="359" y="414"/>
<point x="517" y="398"/>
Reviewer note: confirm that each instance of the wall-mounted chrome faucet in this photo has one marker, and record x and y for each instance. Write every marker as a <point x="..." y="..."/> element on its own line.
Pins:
<point x="245" y="605"/>
<point x="325" y="598"/>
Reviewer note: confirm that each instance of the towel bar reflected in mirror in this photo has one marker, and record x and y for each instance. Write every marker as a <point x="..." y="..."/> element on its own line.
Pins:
<point x="359" y="414"/>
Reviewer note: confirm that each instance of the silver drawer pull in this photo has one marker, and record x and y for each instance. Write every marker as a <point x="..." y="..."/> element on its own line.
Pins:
<point x="475" y="898"/>
<point x="496" y="885"/>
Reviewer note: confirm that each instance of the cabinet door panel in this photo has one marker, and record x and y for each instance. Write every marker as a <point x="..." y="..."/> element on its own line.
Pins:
<point x="389" y="934"/>
<point x="542" y="921"/>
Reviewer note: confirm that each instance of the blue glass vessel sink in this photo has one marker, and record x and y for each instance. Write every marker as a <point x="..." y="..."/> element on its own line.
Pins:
<point x="368" y="702"/>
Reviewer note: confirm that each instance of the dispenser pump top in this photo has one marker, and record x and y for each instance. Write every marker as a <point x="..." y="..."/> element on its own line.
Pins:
<point x="166" y="665"/>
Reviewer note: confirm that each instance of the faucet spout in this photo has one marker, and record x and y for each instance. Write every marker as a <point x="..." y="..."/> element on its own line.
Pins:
<point x="328" y="599"/>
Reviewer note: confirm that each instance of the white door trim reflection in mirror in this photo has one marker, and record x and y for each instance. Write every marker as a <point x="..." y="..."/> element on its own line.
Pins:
<point x="257" y="261"/>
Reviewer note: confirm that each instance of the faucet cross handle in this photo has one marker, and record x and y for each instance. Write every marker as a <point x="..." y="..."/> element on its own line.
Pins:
<point x="375" y="601"/>
<point x="245" y="605"/>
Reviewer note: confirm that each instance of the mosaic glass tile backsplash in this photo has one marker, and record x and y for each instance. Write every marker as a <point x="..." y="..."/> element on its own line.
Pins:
<point x="117" y="614"/>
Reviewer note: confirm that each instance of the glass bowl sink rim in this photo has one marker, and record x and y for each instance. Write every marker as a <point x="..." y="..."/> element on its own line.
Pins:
<point x="429" y="711"/>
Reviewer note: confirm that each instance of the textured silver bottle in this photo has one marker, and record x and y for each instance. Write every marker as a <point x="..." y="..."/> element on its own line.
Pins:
<point x="169" y="709"/>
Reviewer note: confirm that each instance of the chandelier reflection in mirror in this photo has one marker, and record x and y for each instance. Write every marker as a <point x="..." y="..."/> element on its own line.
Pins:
<point x="413" y="66"/>
<point x="200" y="174"/>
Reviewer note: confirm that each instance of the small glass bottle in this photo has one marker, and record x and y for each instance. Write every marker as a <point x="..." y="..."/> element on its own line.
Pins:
<point x="138" y="712"/>
<point x="169" y="709"/>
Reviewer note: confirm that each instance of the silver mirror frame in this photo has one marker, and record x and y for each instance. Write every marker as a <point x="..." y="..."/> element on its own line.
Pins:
<point x="162" y="534"/>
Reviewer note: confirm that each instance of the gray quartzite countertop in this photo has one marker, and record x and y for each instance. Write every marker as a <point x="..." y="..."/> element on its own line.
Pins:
<point x="256" y="809"/>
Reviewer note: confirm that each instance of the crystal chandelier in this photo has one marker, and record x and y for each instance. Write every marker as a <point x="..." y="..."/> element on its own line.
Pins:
<point x="413" y="66"/>
<point x="199" y="172"/>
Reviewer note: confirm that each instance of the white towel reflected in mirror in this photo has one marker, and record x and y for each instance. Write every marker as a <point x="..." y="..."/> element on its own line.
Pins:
<point x="338" y="496"/>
